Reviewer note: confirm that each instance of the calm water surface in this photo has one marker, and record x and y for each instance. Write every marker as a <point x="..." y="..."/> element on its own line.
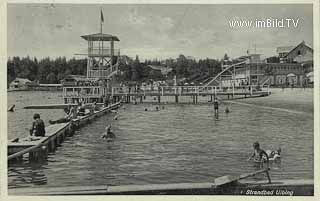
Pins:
<point x="180" y="143"/>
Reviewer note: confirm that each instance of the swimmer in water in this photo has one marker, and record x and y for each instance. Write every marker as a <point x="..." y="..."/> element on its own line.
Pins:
<point x="227" y="110"/>
<point x="216" y="108"/>
<point x="274" y="155"/>
<point x="157" y="108"/>
<point x="115" y="117"/>
<point x="108" y="134"/>
<point x="145" y="109"/>
<point x="259" y="155"/>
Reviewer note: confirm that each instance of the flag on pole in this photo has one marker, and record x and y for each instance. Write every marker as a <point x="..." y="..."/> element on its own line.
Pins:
<point x="102" y="20"/>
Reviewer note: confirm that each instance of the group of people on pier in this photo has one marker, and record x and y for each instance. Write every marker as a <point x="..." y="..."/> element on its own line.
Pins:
<point x="71" y="112"/>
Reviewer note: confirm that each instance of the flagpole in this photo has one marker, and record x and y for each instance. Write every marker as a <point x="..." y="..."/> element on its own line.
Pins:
<point x="100" y="20"/>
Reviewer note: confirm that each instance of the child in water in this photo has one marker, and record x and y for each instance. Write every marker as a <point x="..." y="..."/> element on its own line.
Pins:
<point x="108" y="134"/>
<point x="227" y="110"/>
<point x="259" y="155"/>
<point x="274" y="155"/>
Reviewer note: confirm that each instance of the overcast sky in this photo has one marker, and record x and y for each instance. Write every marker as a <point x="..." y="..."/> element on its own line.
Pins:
<point x="154" y="31"/>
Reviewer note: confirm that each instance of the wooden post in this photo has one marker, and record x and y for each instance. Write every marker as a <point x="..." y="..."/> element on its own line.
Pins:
<point x="159" y="99"/>
<point x="196" y="99"/>
<point x="233" y="89"/>
<point x="31" y="156"/>
<point x="141" y="99"/>
<point x="177" y="99"/>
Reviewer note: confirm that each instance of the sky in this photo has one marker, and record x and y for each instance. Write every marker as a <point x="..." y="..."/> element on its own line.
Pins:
<point x="154" y="31"/>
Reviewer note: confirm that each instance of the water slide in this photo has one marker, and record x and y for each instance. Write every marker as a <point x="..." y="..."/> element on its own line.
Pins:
<point x="225" y="70"/>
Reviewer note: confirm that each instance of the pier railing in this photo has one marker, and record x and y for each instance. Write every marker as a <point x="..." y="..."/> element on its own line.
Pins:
<point x="103" y="52"/>
<point x="83" y="92"/>
<point x="190" y="90"/>
<point x="103" y="73"/>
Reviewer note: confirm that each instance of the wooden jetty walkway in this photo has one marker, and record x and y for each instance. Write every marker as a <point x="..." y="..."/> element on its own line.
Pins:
<point x="38" y="147"/>
<point x="192" y="91"/>
<point x="225" y="185"/>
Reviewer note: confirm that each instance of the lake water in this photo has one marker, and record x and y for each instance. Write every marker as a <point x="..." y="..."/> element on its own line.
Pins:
<point x="180" y="143"/>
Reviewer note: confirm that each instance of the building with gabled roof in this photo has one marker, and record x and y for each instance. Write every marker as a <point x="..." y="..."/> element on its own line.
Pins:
<point x="19" y="84"/>
<point x="295" y="54"/>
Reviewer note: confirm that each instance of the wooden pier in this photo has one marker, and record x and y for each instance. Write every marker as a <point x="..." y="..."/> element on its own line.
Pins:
<point x="191" y="91"/>
<point x="225" y="185"/>
<point x="38" y="148"/>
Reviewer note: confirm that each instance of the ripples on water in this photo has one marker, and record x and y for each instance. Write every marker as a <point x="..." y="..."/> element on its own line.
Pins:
<point x="180" y="143"/>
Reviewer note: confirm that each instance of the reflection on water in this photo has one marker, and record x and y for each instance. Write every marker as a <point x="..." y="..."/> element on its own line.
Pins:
<point x="27" y="174"/>
<point x="180" y="143"/>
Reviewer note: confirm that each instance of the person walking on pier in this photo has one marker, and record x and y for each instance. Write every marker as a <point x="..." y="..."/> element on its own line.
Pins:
<point x="38" y="127"/>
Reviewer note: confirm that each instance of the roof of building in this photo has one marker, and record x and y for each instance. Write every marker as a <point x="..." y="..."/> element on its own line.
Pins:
<point x="300" y="44"/>
<point x="284" y="49"/>
<point x="50" y="85"/>
<point x="164" y="70"/>
<point x="100" y="37"/>
<point x="21" y="80"/>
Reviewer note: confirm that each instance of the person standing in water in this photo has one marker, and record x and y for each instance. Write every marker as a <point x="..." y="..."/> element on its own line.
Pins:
<point x="108" y="134"/>
<point x="227" y="110"/>
<point x="216" y="108"/>
<point x="259" y="155"/>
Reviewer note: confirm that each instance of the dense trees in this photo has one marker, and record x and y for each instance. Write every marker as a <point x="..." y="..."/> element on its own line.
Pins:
<point x="46" y="70"/>
<point x="185" y="67"/>
<point x="51" y="71"/>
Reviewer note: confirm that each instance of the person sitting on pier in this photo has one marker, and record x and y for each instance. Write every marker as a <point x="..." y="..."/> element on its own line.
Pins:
<point x="108" y="134"/>
<point x="81" y="109"/>
<point x="95" y="107"/>
<point x="38" y="127"/>
<point x="69" y="115"/>
<point x="259" y="155"/>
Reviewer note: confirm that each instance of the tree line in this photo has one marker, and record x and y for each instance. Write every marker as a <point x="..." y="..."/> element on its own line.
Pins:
<point x="51" y="71"/>
<point x="46" y="70"/>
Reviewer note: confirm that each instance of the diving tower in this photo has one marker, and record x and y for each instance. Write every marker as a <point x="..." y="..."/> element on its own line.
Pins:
<point x="102" y="57"/>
